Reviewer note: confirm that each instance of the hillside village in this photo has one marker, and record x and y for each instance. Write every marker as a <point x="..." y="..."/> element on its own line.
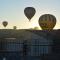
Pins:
<point x="30" y="43"/>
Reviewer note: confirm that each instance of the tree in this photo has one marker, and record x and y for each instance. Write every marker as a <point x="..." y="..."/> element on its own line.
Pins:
<point x="36" y="28"/>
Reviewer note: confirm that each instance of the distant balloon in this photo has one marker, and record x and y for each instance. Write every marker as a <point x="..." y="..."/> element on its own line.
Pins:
<point x="5" y="23"/>
<point x="47" y="22"/>
<point x="14" y="27"/>
<point x="29" y="12"/>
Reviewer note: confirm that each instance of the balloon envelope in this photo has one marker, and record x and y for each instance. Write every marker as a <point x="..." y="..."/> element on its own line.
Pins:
<point x="29" y="12"/>
<point x="5" y="23"/>
<point x="47" y="21"/>
<point x="14" y="27"/>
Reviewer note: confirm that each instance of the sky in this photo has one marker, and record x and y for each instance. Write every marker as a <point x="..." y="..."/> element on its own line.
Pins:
<point x="13" y="12"/>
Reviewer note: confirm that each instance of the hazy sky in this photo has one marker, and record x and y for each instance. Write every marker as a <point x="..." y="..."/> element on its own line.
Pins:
<point x="13" y="12"/>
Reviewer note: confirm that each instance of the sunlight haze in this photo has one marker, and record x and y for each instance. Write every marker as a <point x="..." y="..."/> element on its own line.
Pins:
<point x="13" y="12"/>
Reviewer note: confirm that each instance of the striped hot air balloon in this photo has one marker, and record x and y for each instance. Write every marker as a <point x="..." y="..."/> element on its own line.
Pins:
<point x="47" y="22"/>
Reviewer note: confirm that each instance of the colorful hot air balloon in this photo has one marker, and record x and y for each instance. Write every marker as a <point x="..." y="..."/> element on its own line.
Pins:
<point x="29" y="12"/>
<point x="5" y="23"/>
<point x="47" y="22"/>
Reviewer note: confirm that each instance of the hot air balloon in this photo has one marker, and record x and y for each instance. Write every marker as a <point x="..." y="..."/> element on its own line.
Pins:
<point x="5" y="23"/>
<point x="14" y="27"/>
<point x="29" y="12"/>
<point x="47" y="21"/>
